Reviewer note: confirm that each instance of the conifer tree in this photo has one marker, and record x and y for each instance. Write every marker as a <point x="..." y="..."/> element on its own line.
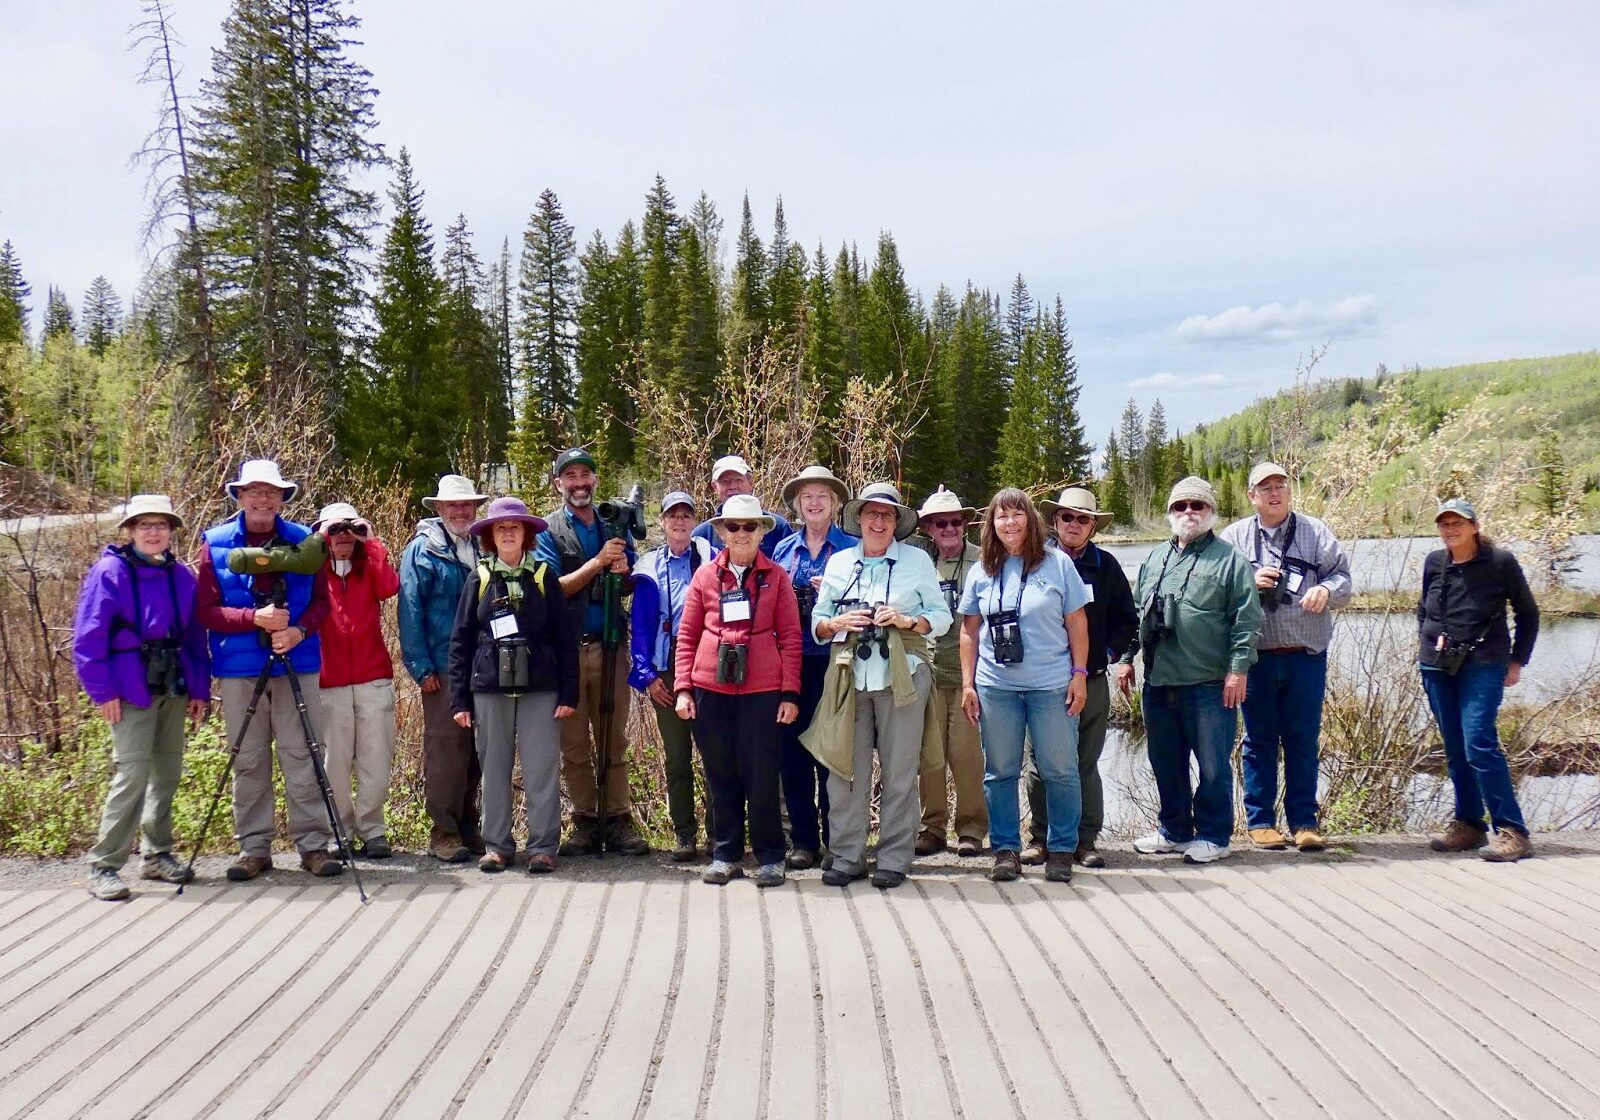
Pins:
<point x="547" y="304"/>
<point x="747" y="309"/>
<point x="500" y="318"/>
<point x="1019" y="314"/>
<point x="786" y="265"/>
<point x="1066" y="454"/>
<point x="14" y="292"/>
<point x="974" y="372"/>
<point x="662" y="231"/>
<point x="1022" y="440"/>
<point x="1130" y="438"/>
<point x="102" y="315"/>
<point x="695" y="357"/>
<point x="57" y="315"/>
<point x="1118" y="500"/>
<point x="478" y="411"/>
<point x="1156" y="469"/>
<point x="707" y="225"/>
<point x="824" y="354"/>
<point x="610" y="344"/>
<point x="849" y="283"/>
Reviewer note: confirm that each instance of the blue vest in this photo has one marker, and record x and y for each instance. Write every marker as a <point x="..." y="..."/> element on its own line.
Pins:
<point x="243" y="655"/>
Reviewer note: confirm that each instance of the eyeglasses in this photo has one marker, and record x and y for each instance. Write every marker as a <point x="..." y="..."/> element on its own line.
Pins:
<point x="877" y="515"/>
<point x="1186" y="507"/>
<point x="158" y="523"/>
<point x="740" y="526"/>
<point x="947" y="523"/>
<point x="1076" y="518"/>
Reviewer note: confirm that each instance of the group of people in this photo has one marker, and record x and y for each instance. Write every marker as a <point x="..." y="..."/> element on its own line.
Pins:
<point x="792" y="658"/>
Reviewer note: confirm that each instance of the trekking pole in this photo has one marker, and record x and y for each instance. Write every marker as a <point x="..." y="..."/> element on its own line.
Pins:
<point x="610" y="642"/>
<point x="315" y="748"/>
<point x="222" y="779"/>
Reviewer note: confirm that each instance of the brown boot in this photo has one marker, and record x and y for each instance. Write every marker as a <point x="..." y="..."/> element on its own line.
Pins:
<point x="623" y="837"/>
<point x="1058" y="867"/>
<point x="1034" y="854"/>
<point x="448" y="848"/>
<point x="1508" y="846"/>
<point x="320" y="865"/>
<point x="584" y="839"/>
<point x="1460" y="836"/>
<point x="1006" y="867"/>
<point x="929" y="842"/>
<point x="246" y="868"/>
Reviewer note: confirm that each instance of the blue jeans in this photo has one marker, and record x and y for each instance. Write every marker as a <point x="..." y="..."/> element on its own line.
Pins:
<point x="1041" y="714"/>
<point x="1283" y="705"/>
<point x="1184" y="721"/>
<point x="1465" y="707"/>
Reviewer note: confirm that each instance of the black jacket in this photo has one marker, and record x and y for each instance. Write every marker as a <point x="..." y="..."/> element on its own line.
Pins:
<point x="1113" y="621"/>
<point x="542" y="619"/>
<point x="1468" y="602"/>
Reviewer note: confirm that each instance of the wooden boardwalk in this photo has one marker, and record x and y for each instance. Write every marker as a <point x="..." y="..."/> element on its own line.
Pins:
<point x="1366" y="983"/>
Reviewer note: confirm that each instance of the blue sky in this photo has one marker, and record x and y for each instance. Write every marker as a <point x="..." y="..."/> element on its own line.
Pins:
<point x="1213" y="190"/>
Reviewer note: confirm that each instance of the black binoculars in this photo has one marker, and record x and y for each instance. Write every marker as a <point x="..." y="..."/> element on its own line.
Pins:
<point x="806" y="596"/>
<point x="163" y="672"/>
<point x="1005" y="632"/>
<point x="732" y="660"/>
<point x="511" y="665"/>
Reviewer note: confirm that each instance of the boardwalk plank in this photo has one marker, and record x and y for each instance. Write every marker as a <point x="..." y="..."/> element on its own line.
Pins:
<point x="736" y="1088"/>
<point x="858" y="1081"/>
<point x="679" y="1068"/>
<point x="795" y="1084"/>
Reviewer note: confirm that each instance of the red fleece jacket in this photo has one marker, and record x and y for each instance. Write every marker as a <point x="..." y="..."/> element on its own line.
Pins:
<point x="772" y="634"/>
<point x="353" y="649"/>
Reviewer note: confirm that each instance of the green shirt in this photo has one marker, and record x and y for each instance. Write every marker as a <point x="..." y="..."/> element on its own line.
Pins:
<point x="947" y="650"/>
<point x="525" y="569"/>
<point x="1217" y="616"/>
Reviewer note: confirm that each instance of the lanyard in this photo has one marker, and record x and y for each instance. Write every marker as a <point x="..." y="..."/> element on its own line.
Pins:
<point x="1194" y="558"/>
<point x="1000" y="588"/>
<point x="855" y="583"/>
<point x="1288" y="542"/>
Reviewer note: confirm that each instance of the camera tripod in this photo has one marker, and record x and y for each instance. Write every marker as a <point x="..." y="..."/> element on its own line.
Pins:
<point x="314" y="747"/>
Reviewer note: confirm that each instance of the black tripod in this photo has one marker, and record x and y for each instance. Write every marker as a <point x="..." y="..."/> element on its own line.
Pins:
<point x="314" y="747"/>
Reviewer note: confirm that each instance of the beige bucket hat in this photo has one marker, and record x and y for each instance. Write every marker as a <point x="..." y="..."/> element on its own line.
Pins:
<point x="884" y="494"/>
<point x="815" y="473"/>
<point x="1078" y="499"/>
<point x="945" y="501"/>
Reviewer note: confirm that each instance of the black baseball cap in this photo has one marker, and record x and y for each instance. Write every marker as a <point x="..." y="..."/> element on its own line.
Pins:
<point x="570" y="456"/>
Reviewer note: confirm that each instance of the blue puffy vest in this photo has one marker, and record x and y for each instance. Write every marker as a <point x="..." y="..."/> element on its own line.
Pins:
<point x="243" y="655"/>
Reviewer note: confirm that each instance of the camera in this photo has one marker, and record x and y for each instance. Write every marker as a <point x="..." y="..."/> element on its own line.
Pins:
<point x="163" y="673"/>
<point x="806" y="596"/>
<point x="1005" y="631"/>
<point x="624" y="517"/>
<point x="732" y="660"/>
<point x="1275" y="596"/>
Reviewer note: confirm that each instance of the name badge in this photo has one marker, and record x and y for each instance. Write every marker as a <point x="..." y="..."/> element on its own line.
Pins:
<point x="1089" y="587"/>
<point x="735" y="606"/>
<point x="504" y="627"/>
<point x="1294" y="579"/>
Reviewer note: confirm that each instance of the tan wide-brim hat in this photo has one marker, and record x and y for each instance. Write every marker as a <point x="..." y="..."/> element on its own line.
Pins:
<point x="1076" y="499"/>
<point x="149" y="505"/>
<point x="815" y="474"/>
<point x="884" y="494"/>
<point x="945" y="501"/>
<point x="455" y="488"/>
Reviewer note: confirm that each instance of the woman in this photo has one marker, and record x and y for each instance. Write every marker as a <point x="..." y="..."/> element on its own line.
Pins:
<point x="1468" y="659"/>
<point x="141" y="654"/>
<point x="816" y="497"/>
<point x="513" y="673"/>
<point x="1024" y="658"/>
<point x="740" y="634"/>
<point x="881" y="601"/>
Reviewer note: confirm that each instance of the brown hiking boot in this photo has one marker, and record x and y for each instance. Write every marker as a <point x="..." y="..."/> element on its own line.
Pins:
<point x="1309" y="840"/>
<point x="1269" y="838"/>
<point x="1035" y="853"/>
<point x="968" y="847"/>
<point x="246" y="867"/>
<point x="1460" y="836"/>
<point x="1508" y="846"/>
<point x="621" y="836"/>
<point x="1006" y="867"/>
<point x="320" y="865"/>
<point x="1058" y="867"/>
<point x="448" y="848"/>
<point x="929" y="842"/>
<point x="1088" y="855"/>
<point x="583" y="840"/>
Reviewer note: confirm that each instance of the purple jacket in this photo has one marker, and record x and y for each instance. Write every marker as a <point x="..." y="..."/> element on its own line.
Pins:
<point x="106" y="636"/>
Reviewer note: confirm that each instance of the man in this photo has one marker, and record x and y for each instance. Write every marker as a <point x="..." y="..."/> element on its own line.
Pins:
<point x="659" y="586"/>
<point x="1113" y="626"/>
<point x="1198" y="617"/>
<point x="944" y="520"/>
<point x="1302" y="575"/>
<point x="578" y="545"/>
<point x="441" y="557"/>
<point x="731" y="475"/>
<point x="253" y="619"/>
<point x="357" y="675"/>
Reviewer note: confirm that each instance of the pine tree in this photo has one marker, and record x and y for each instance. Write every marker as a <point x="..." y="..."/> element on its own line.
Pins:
<point x="824" y="355"/>
<point x="14" y="292"/>
<point x="707" y="225"/>
<point x="1118" y="500"/>
<point x="478" y="411"/>
<point x="849" y="284"/>
<point x="1019" y="314"/>
<point x="57" y="315"/>
<point x="284" y="135"/>
<point x="786" y="265"/>
<point x="747" y="312"/>
<point x="975" y="374"/>
<point x="1021" y="450"/>
<point x="930" y="456"/>
<point x="547" y="305"/>
<point x="102" y="315"/>
<point x="893" y="340"/>
<point x="1552" y="488"/>
<point x="661" y="236"/>
<point x="1066" y="454"/>
<point x="500" y="317"/>
<point x="610" y="345"/>
<point x="1130" y="438"/>
<point x="695" y="358"/>
<point x="1156" y="470"/>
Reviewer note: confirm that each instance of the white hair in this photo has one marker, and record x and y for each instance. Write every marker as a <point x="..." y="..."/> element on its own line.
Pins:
<point x="1182" y="530"/>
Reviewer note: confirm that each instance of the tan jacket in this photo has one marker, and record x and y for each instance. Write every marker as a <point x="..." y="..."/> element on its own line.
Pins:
<point x="831" y="738"/>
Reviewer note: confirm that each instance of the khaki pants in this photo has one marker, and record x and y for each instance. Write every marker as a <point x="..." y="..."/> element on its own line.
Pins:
<point x="896" y="734"/>
<point x="963" y="759"/>
<point x="275" y="718"/>
<point x="582" y="729"/>
<point x="358" y="727"/>
<point x="451" y="773"/>
<point x="147" y="755"/>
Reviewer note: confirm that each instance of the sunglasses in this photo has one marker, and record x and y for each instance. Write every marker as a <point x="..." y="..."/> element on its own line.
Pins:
<point x="740" y="526"/>
<point x="1186" y="507"/>
<point x="947" y="523"/>
<point x="1076" y="518"/>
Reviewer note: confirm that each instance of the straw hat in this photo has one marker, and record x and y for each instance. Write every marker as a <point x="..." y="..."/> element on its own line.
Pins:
<point x="883" y="494"/>
<point x="262" y="470"/>
<point x="1078" y="499"/>
<point x="945" y="501"/>
<point x="743" y="507"/>
<point x="815" y="474"/>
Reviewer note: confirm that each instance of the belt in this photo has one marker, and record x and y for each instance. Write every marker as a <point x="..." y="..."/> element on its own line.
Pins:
<point x="1286" y="649"/>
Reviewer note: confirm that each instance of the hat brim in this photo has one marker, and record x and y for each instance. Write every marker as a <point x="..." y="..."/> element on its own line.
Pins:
<point x="584" y="459"/>
<point x="792" y="487"/>
<point x="290" y="489"/>
<point x="475" y="499"/>
<point x="969" y="512"/>
<point x="172" y="519"/>
<point x="1458" y="513"/>
<point x="538" y="524"/>
<point x="906" y="517"/>
<point x="1048" y="510"/>
<point x="767" y="523"/>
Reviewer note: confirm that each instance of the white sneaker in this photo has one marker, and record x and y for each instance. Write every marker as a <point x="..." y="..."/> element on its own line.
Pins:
<point x="1204" y="851"/>
<point x="1158" y="845"/>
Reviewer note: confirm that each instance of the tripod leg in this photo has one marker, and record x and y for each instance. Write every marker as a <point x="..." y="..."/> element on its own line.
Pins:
<point x="233" y="753"/>
<point x="314" y="748"/>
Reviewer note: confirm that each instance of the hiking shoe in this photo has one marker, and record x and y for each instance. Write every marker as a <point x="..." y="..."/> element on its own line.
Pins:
<point x="720" y="871"/>
<point x="887" y="880"/>
<point x="1088" y="855"/>
<point x="1460" y="836"/>
<point x="1007" y="866"/>
<point x="491" y="863"/>
<point x="583" y="840"/>
<point x="106" y="885"/>
<point x="1034" y="854"/>
<point x="246" y="867"/>
<point x="474" y="843"/>
<point x="164" y="867"/>
<point x="1204" y="851"/>
<point x="930" y="843"/>
<point x="833" y="877"/>
<point x="449" y="849"/>
<point x="770" y="875"/>
<point x="541" y="864"/>
<point x="1058" y="868"/>
<point x="685" y="850"/>
<point x="1508" y="846"/>
<point x="968" y="847"/>
<point x="621" y="836"/>
<point x="1309" y="840"/>
<point x="827" y="861"/>
<point x="1156" y="844"/>
<point x="1269" y="838"/>
<point x="801" y="859"/>
<point x="376" y="848"/>
<point x="320" y="865"/>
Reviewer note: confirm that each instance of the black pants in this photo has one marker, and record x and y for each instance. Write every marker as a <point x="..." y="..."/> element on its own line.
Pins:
<point x="805" y="780"/>
<point x="738" y="737"/>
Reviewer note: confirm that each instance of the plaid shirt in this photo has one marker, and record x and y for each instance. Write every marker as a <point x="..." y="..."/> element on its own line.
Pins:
<point x="1325" y="564"/>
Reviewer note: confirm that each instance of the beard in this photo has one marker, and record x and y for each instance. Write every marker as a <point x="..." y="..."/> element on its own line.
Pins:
<point x="1187" y="527"/>
<point x="577" y="498"/>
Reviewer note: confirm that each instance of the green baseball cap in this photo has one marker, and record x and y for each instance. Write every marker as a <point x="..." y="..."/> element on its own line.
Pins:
<point x="1458" y="506"/>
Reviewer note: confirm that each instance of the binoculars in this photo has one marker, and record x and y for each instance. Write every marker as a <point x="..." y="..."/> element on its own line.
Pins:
<point x="511" y="665"/>
<point x="163" y="673"/>
<point x="1005" y="632"/>
<point x="806" y="596"/>
<point x="733" y="659"/>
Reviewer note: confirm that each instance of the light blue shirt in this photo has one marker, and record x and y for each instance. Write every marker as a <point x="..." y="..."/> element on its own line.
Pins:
<point x="1052" y="591"/>
<point x="910" y="584"/>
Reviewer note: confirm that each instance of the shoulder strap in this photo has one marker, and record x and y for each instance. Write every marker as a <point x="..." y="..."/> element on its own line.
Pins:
<point x="483" y="578"/>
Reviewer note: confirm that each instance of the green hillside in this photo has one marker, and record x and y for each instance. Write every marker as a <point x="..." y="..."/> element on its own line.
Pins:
<point x="1522" y="394"/>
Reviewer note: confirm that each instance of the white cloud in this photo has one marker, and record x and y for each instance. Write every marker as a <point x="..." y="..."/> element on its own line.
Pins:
<point x="1278" y="322"/>
<point x="1182" y="382"/>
